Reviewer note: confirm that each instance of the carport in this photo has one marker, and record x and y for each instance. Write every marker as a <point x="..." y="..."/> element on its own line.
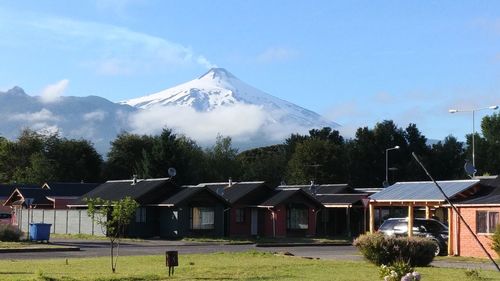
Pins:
<point x="410" y="196"/>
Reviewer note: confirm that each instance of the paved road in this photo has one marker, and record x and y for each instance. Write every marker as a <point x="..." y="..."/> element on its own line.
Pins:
<point x="158" y="247"/>
<point x="97" y="248"/>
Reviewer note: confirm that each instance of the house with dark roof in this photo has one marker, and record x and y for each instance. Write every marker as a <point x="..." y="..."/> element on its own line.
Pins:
<point x="482" y="214"/>
<point x="342" y="212"/>
<point x="165" y="210"/>
<point x="244" y="217"/>
<point x="288" y="212"/>
<point x="5" y="192"/>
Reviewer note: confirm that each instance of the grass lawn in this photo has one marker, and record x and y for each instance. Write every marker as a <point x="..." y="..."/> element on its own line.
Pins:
<point x="218" y="266"/>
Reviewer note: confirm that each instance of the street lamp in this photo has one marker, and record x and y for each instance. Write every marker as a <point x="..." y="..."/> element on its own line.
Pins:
<point x="493" y="107"/>
<point x="387" y="162"/>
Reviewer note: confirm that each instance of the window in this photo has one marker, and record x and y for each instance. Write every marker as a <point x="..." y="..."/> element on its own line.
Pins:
<point x="298" y="218"/>
<point x="140" y="215"/>
<point x="486" y="221"/>
<point x="240" y="215"/>
<point x="202" y="218"/>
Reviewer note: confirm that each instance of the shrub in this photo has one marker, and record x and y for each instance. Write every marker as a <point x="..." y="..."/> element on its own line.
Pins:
<point x="9" y="233"/>
<point x="380" y="249"/>
<point x="495" y="240"/>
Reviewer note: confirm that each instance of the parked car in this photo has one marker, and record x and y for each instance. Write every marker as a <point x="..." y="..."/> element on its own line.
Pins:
<point x="5" y="218"/>
<point x="430" y="228"/>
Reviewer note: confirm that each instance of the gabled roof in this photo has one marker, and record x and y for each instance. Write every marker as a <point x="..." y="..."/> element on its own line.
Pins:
<point x="69" y="189"/>
<point x="37" y="195"/>
<point x="340" y="200"/>
<point x="144" y="191"/>
<point x="490" y="198"/>
<point x="187" y="192"/>
<point x="236" y="191"/>
<point x="322" y="188"/>
<point x="280" y="195"/>
<point x="7" y="189"/>
<point x="422" y="191"/>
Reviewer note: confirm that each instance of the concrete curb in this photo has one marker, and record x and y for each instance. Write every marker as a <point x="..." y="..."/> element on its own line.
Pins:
<point x="40" y="249"/>
<point x="300" y="244"/>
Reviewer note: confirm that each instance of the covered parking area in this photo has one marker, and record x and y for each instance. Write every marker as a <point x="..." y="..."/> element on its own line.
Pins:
<point x="418" y="199"/>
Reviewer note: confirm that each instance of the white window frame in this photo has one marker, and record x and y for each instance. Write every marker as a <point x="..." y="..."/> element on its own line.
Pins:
<point x="489" y="229"/>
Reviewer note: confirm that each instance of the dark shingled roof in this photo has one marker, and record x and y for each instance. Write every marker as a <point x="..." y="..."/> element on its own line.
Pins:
<point x="280" y="195"/>
<point x="236" y="191"/>
<point x="330" y="200"/>
<point x="69" y="189"/>
<point x="143" y="191"/>
<point x="187" y="192"/>
<point x="322" y="188"/>
<point x="37" y="194"/>
<point x="7" y="189"/>
<point x="488" y="194"/>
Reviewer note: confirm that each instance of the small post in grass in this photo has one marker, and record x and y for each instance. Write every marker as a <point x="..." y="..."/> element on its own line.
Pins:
<point x="172" y="260"/>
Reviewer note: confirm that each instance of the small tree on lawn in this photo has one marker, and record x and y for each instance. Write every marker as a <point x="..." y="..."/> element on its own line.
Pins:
<point x="113" y="217"/>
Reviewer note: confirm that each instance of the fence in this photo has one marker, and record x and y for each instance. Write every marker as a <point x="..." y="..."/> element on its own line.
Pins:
<point x="63" y="221"/>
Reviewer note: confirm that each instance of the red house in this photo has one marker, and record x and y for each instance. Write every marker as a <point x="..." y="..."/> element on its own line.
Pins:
<point x="289" y="212"/>
<point x="482" y="214"/>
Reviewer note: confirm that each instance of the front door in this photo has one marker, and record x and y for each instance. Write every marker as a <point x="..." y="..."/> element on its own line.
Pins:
<point x="254" y="222"/>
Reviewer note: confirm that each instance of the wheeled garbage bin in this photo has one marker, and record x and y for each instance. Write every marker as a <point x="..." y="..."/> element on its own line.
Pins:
<point x="40" y="231"/>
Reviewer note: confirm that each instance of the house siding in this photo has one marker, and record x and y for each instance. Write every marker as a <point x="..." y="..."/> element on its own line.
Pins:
<point x="240" y="228"/>
<point x="466" y="245"/>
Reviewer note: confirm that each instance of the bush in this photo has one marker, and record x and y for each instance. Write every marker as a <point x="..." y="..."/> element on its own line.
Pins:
<point x="380" y="249"/>
<point x="399" y="271"/>
<point x="495" y="240"/>
<point x="9" y="233"/>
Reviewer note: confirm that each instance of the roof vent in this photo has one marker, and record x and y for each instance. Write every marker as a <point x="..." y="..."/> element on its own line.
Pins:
<point x="313" y="188"/>
<point x="134" y="179"/>
<point x="230" y="182"/>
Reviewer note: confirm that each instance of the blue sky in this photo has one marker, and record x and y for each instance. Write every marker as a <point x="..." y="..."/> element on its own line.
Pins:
<point x="355" y="62"/>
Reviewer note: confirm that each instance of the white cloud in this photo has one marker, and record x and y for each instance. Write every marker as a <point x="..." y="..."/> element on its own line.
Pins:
<point x="118" y="50"/>
<point x="276" y="54"/>
<point x="53" y="92"/>
<point x="98" y="115"/>
<point x="40" y="116"/>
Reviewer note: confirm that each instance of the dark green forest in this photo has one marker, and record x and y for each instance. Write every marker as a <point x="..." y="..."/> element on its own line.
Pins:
<point x="323" y="155"/>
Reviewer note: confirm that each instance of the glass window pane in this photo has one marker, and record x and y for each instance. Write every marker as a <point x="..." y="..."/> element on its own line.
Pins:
<point x="492" y="221"/>
<point x="481" y="222"/>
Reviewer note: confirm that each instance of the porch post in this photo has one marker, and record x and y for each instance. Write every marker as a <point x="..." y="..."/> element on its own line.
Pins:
<point x="348" y="214"/>
<point x="410" y="220"/>
<point x="372" y="217"/>
<point x="451" y="232"/>
<point x="427" y="211"/>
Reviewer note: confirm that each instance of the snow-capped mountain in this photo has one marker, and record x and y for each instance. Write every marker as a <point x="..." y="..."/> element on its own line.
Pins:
<point x="219" y="88"/>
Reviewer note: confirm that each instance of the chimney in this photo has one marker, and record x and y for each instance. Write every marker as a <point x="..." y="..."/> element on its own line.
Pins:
<point x="230" y="182"/>
<point x="312" y="187"/>
<point x="134" y="179"/>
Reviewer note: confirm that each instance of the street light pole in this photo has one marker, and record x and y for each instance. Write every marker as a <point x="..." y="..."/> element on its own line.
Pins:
<point x="387" y="162"/>
<point x="493" y="107"/>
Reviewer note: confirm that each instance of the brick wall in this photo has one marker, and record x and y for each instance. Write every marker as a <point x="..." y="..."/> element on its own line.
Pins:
<point x="467" y="245"/>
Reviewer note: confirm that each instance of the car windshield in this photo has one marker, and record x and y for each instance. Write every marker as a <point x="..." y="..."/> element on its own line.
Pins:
<point x="388" y="225"/>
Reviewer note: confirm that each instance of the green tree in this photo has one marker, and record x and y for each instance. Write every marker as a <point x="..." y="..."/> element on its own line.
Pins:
<point x="490" y="126"/>
<point x="221" y="160"/>
<point x="447" y="159"/>
<point x="317" y="159"/>
<point x="264" y="163"/>
<point x="126" y="155"/>
<point x="113" y="217"/>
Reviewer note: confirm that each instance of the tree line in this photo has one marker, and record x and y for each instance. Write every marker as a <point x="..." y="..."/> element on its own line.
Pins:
<point x="322" y="155"/>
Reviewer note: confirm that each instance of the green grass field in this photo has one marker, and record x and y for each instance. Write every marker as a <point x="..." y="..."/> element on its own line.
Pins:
<point x="218" y="266"/>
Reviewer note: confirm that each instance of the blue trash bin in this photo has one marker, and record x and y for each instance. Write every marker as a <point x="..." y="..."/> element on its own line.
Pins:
<point x="40" y="231"/>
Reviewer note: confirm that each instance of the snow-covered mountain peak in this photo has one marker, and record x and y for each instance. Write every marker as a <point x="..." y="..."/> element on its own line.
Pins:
<point x="217" y="73"/>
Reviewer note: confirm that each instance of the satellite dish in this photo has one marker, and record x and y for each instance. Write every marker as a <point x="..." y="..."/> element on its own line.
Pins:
<point x="172" y="172"/>
<point x="470" y="169"/>
<point x="29" y="202"/>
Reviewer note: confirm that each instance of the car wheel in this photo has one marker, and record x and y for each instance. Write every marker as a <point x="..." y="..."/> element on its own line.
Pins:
<point x="438" y="248"/>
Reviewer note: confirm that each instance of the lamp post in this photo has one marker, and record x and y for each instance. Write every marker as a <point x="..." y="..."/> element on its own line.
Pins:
<point x="387" y="162"/>
<point x="493" y="107"/>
